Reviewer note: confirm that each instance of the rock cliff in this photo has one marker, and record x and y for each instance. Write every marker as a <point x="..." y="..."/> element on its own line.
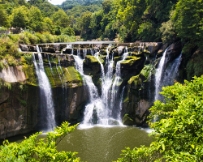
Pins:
<point x="19" y="97"/>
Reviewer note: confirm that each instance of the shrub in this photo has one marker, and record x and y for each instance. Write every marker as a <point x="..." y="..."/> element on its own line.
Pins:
<point x="35" y="148"/>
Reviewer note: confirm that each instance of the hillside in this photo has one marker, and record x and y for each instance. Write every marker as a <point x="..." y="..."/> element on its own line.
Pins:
<point x="69" y="4"/>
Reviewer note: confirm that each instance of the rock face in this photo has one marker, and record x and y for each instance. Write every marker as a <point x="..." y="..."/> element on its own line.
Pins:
<point x="13" y="74"/>
<point x="19" y="105"/>
<point x="18" y="110"/>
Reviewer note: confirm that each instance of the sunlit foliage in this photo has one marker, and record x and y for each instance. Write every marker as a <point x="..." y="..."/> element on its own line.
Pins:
<point x="39" y="148"/>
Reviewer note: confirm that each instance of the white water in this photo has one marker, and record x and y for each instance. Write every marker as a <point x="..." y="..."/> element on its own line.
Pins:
<point x="166" y="75"/>
<point x="94" y="109"/>
<point x="99" y="109"/>
<point x="117" y="81"/>
<point x="45" y="94"/>
<point x="158" y="75"/>
<point x="171" y="72"/>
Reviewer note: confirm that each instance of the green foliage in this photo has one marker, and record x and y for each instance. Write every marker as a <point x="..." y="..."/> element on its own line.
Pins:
<point x="194" y="65"/>
<point x="60" y="18"/>
<point x="168" y="31"/>
<point x="68" y="31"/>
<point x="36" y="148"/>
<point x="147" y="71"/>
<point x="178" y="129"/>
<point x="187" y="18"/>
<point x="69" y="4"/>
<point x="35" y="19"/>
<point x="5" y="84"/>
<point x="4" y="20"/>
<point x="19" y="17"/>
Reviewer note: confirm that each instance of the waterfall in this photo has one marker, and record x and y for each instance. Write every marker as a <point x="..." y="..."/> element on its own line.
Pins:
<point x="94" y="109"/>
<point x="46" y="101"/>
<point x="166" y="75"/>
<point x="50" y="64"/>
<point x="171" y="71"/>
<point x="84" y="52"/>
<point x="117" y="81"/>
<point x="100" y="108"/>
<point x="158" y="75"/>
<point x="107" y="80"/>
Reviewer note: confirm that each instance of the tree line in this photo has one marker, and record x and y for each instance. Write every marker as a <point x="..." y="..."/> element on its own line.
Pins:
<point x="147" y="20"/>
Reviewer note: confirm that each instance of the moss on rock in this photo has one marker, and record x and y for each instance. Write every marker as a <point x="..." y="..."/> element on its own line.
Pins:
<point x="91" y="59"/>
<point x="135" y="81"/>
<point x="31" y="78"/>
<point x="147" y="71"/>
<point x="130" y="60"/>
<point x="59" y="76"/>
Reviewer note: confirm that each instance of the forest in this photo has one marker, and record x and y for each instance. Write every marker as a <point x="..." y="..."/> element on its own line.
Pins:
<point x="128" y="21"/>
<point x="178" y="131"/>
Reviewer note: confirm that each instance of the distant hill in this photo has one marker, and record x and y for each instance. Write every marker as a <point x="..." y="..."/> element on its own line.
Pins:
<point x="69" y="4"/>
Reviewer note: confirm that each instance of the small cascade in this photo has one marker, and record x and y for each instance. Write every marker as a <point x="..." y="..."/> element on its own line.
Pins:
<point x="78" y="52"/>
<point x="140" y="47"/>
<point x="90" y="115"/>
<point x="59" y="73"/>
<point x="171" y="71"/>
<point x="84" y="52"/>
<point x="59" y="64"/>
<point x="50" y="64"/>
<point x="46" y="101"/>
<point x="120" y="104"/>
<point x="166" y="75"/>
<point x="117" y="81"/>
<point x="158" y="75"/>
<point x="107" y="80"/>
<point x="96" y="55"/>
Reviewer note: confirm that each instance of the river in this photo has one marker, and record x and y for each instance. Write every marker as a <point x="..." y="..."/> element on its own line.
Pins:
<point x="103" y="144"/>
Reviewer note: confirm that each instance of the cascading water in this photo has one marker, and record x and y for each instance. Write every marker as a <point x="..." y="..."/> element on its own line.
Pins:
<point x="171" y="71"/>
<point x="116" y="83"/>
<point x="94" y="110"/>
<point x="99" y="110"/>
<point x="46" y="101"/>
<point x="158" y="75"/>
<point x="107" y="80"/>
<point x="165" y="75"/>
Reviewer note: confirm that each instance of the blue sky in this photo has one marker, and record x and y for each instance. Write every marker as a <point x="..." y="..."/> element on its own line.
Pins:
<point x="56" y="2"/>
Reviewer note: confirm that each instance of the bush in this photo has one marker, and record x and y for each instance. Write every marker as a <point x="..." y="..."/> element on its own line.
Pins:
<point x="35" y="148"/>
<point x="178" y="129"/>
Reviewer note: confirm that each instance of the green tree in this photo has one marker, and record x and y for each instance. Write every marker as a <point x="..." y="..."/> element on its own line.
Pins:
<point x="188" y="20"/>
<point x="129" y="17"/>
<point x="108" y="23"/>
<point x="36" y="148"/>
<point x="48" y="25"/>
<point x="35" y="19"/>
<point x="60" y="18"/>
<point x="19" y="17"/>
<point x="85" y="25"/>
<point x="178" y="129"/>
<point x="4" y="19"/>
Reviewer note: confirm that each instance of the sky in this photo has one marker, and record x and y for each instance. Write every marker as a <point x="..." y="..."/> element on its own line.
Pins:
<point x="56" y="2"/>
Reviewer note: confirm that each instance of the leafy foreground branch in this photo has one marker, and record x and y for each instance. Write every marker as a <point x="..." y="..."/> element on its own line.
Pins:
<point x="178" y="132"/>
<point x="35" y="148"/>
